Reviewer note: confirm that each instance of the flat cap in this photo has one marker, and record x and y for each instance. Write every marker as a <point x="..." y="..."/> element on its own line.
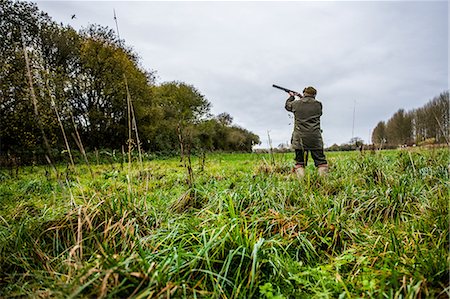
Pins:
<point x="310" y="90"/>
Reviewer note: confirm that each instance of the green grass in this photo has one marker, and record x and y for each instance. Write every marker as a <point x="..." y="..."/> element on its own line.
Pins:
<point x="375" y="227"/>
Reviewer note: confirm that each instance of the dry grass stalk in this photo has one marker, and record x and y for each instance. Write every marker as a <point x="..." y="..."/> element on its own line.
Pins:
<point x="80" y="235"/>
<point x="136" y="132"/>
<point x="271" y="148"/>
<point x="130" y="139"/>
<point x="80" y="145"/>
<point x="53" y="104"/>
<point x="35" y="103"/>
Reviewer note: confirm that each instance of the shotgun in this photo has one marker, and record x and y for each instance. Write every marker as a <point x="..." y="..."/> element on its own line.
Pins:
<point x="287" y="90"/>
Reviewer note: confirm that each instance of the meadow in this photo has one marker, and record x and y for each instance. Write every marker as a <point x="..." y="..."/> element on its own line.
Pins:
<point x="237" y="226"/>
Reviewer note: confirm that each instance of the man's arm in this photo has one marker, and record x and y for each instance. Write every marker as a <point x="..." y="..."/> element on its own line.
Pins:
<point x="288" y="105"/>
<point x="320" y="104"/>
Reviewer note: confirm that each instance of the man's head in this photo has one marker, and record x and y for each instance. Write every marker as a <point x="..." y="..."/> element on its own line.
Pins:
<point x="309" y="91"/>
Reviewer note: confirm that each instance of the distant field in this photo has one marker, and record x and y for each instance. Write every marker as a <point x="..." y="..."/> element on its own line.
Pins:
<point x="244" y="227"/>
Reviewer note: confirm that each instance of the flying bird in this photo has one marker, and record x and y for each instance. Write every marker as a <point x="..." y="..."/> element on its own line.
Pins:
<point x="74" y="17"/>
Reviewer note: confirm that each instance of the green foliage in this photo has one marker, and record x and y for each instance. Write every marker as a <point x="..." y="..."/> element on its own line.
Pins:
<point x="18" y="123"/>
<point x="88" y="78"/>
<point x="267" y="291"/>
<point x="399" y="128"/>
<point x="107" y="70"/>
<point x="430" y="122"/>
<point x="375" y="227"/>
<point x="379" y="136"/>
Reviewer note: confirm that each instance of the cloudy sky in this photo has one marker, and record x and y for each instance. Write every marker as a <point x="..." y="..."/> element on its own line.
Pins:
<point x="367" y="57"/>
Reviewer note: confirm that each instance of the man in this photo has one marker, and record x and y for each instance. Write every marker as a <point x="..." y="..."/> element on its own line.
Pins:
<point x="307" y="135"/>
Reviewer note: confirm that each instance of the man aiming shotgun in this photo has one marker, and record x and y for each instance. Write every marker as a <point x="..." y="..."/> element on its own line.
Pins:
<point x="307" y="135"/>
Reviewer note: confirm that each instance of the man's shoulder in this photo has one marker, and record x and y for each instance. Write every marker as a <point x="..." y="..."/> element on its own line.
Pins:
<point x="310" y="100"/>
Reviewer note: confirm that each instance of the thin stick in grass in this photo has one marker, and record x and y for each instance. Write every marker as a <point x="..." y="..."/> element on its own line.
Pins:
<point x="271" y="148"/>
<point x="80" y="145"/>
<point x="53" y="104"/>
<point x="131" y="123"/>
<point x="136" y="131"/>
<point x="35" y="104"/>
<point x="444" y="134"/>
<point x="130" y="140"/>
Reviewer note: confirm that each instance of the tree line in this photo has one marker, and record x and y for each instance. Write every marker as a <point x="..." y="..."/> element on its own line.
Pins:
<point x="429" y="124"/>
<point x="88" y="90"/>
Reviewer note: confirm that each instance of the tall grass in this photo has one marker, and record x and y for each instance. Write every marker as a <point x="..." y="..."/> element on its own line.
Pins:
<point x="375" y="227"/>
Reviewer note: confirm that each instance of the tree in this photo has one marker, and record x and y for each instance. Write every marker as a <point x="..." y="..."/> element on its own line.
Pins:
<point x="21" y="24"/>
<point x="225" y="119"/>
<point x="180" y="106"/>
<point x="399" y="128"/>
<point x="99" y="92"/>
<point x="240" y="139"/>
<point x="430" y="123"/>
<point x="85" y="79"/>
<point x="181" y="101"/>
<point x="432" y="120"/>
<point x="379" y="133"/>
<point x="356" y="141"/>
<point x="77" y="74"/>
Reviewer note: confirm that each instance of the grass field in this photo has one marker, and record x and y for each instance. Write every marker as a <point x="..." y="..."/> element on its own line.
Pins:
<point x="245" y="227"/>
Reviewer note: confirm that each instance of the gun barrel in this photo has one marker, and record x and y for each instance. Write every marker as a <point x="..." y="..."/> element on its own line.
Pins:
<point x="285" y="89"/>
<point x="279" y="87"/>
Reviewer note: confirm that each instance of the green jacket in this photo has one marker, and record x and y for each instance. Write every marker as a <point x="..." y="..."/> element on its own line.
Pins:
<point x="307" y="134"/>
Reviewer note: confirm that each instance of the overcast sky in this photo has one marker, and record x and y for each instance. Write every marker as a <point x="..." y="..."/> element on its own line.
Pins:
<point x="371" y="57"/>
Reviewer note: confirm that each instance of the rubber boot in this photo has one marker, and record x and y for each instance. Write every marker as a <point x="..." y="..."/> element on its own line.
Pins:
<point x="323" y="169"/>
<point x="299" y="171"/>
